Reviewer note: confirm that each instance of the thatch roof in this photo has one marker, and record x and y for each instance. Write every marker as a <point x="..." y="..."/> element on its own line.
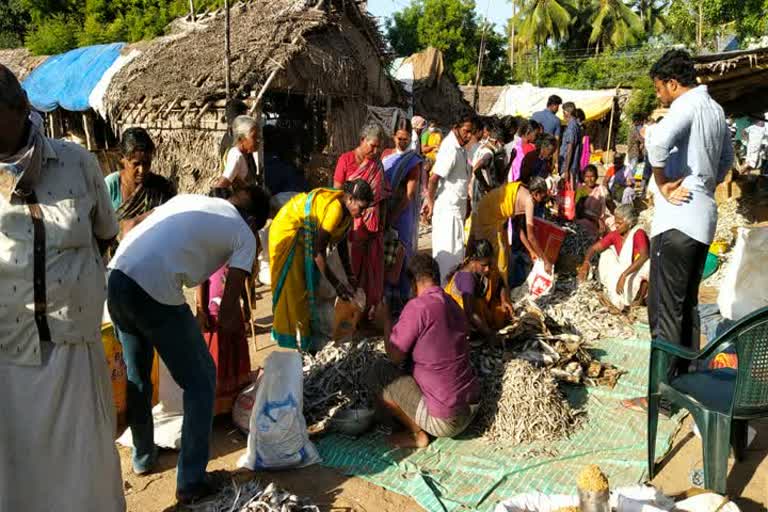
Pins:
<point x="488" y="96"/>
<point x="20" y="61"/>
<point x="330" y="47"/>
<point x="736" y="79"/>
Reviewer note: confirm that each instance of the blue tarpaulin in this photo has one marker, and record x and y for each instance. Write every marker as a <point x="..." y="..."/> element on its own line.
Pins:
<point x="66" y="80"/>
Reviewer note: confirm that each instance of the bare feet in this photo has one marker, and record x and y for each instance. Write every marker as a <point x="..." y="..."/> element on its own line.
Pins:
<point x="409" y="439"/>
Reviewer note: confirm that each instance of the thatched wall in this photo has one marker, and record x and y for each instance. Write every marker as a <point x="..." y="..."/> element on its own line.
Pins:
<point x="738" y="80"/>
<point x="487" y="97"/>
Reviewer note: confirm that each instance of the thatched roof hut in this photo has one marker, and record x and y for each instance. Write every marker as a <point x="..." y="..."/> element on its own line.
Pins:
<point x="738" y="80"/>
<point x="434" y="92"/>
<point x="20" y="61"/>
<point x="314" y="66"/>
<point x="488" y="94"/>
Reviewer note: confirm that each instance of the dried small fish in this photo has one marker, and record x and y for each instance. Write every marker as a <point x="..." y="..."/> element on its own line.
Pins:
<point x="334" y="379"/>
<point x="577" y="239"/>
<point x="252" y="496"/>
<point x="520" y="403"/>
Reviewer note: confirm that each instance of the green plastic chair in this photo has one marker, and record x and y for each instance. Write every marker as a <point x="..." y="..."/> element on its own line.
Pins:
<point x="721" y="401"/>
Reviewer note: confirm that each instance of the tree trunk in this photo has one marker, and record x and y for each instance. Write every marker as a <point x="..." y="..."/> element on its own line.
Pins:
<point x="512" y="39"/>
<point x="538" y="57"/>
<point x="700" y="27"/>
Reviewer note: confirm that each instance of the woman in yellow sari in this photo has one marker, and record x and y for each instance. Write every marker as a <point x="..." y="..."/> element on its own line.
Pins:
<point x="480" y="291"/>
<point x="299" y="237"/>
<point x="497" y="207"/>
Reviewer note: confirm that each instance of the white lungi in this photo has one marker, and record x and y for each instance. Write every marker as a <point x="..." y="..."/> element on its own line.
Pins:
<point x="447" y="239"/>
<point x="612" y="265"/>
<point x="57" y="448"/>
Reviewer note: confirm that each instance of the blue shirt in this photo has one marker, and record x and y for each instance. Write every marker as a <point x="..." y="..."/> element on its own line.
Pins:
<point x="572" y="135"/>
<point x="549" y="121"/>
<point x="691" y="142"/>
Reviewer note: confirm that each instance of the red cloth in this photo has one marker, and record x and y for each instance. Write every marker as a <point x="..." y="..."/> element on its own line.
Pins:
<point x="366" y="238"/>
<point x="231" y="356"/>
<point x="528" y="147"/>
<point x="614" y="238"/>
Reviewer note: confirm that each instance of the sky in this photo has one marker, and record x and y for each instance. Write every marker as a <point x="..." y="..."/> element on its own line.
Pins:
<point x="498" y="11"/>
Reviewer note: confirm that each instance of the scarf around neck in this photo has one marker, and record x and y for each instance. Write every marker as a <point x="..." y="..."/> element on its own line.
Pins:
<point x="20" y="172"/>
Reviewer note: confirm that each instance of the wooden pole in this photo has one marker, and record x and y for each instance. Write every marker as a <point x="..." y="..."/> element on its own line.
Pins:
<point x="227" y="48"/>
<point x="192" y="10"/>
<point x="610" y="122"/>
<point x="512" y="39"/>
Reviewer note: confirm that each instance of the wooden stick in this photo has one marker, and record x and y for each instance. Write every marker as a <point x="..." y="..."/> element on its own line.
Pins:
<point x="248" y="286"/>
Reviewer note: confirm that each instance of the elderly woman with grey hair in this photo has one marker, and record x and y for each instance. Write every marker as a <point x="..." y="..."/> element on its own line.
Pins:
<point x="624" y="260"/>
<point x="239" y="165"/>
<point x="366" y="238"/>
<point x="56" y="437"/>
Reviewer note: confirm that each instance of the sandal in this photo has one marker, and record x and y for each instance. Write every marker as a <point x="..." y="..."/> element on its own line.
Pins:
<point x="640" y="404"/>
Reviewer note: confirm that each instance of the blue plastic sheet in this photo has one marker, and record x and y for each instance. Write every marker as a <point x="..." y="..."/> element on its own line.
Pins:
<point x="66" y="80"/>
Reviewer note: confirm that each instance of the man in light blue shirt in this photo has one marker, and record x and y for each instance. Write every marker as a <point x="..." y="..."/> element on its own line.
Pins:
<point x="547" y="118"/>
<point x="690" y="152"/>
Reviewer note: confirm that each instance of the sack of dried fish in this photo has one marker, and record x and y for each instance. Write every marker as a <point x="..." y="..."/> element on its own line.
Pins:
<point x="252" y="496"/>
<point x="334" y="379"/>
<point x="520" y="403"/>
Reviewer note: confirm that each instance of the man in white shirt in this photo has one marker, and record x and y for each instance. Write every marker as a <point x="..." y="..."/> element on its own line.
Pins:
<point x="240" y="164"/>
<point x="690" y="152"/>
<point x="180" y="245"/>
<point x="447" y="194"/>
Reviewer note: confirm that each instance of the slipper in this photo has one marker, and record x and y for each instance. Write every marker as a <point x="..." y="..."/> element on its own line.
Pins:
<point x="640" y="404"/>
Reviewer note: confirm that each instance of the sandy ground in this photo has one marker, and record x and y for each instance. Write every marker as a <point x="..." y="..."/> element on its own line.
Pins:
<point x="332" y="491"/>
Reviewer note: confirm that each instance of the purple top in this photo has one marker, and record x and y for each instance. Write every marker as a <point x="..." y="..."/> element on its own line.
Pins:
<point x="433" y="330"/>
<point x="465" y="282"/>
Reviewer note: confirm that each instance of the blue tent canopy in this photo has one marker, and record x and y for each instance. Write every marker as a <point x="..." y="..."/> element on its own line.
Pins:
<point x="66" y="80"/>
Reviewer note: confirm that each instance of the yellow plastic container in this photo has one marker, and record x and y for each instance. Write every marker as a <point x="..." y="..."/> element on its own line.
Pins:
<point x="718" y="248"/>
<point x="117" y="370"/>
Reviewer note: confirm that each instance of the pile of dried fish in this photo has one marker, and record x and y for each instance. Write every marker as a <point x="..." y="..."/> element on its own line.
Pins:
<point x="334" y="378"/>
<point x="520" y="403"/>
<point x="732" y="214"/>
<point x="253" y="497"/>
<point x="577" y="239"/>
<point x="575" y="307"/>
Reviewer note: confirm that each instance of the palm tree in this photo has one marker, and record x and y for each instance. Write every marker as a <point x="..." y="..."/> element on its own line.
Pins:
<point x="541" y="21"/>
<point x="614" y="25"/>
<point x="651" y="13"/>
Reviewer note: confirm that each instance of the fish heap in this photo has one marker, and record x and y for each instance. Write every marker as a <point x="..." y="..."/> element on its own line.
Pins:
<point x="334" y="379"/>
<point x="577" y="239"/>
<point x="575" y="307"/>
<point x="732" y="214"/>
<point x="252" y="496"/>
<point x="520" y="403"/>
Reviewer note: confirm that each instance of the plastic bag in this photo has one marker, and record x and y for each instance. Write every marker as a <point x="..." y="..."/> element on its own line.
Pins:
<point x="745" y="286"/>
<point x="539" y="281"/>
<point x="241" y="409"/>
<point x="566" y="202"/>
<point x="278" y="432"/>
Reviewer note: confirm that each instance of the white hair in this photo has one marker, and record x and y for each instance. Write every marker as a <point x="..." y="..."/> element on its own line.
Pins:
<point x="242" y="127"/>
<point x="628" y="213"/>
<point x="372" y="131"/>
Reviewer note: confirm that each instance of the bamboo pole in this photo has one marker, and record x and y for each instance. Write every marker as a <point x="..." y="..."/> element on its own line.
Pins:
<point x="192" y="10"/>
<point x="227" y="49"/>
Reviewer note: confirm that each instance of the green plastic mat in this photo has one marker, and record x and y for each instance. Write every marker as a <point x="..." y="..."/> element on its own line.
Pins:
<point x="468" y="474"/>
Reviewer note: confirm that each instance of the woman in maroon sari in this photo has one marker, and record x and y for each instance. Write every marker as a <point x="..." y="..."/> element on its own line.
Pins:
<point x="366" y="238"/>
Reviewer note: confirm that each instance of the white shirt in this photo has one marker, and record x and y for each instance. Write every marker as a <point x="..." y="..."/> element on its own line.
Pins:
<point x="76" y="211"/>
<point x="182" y="243"/>
<point x="415" y="142"/>
<point x="236" y="166"/>
<point x="452" y="166"/>
<point x="696" y="126"/>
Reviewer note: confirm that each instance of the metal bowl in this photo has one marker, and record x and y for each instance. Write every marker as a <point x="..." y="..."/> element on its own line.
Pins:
<point x="594" y="501"/>
<point x="352" y="422"/>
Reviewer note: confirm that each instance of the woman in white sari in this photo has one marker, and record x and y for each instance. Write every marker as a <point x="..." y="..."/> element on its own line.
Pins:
<point x="624" y="260"/>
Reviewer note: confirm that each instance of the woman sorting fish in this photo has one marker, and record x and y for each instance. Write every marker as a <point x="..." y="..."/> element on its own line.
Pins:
<point x="624" y="260"/>
<point x="439" y="395"/>
<point x="300" y="235"/>
<point x="502" y="204"/>
<point x="478" y="289"/>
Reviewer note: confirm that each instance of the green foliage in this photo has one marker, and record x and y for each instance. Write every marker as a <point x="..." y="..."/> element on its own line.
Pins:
<point x="452" y="27"/>
<point x="615" y="25"/>
<point x="56" y="34"/>
<point x="541" y="21"/>
<point x="642" y="101"/>
<point x="13" y="23"/>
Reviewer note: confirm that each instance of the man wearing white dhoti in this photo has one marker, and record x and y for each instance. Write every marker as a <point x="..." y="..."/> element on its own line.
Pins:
<point x="56" y="436"/>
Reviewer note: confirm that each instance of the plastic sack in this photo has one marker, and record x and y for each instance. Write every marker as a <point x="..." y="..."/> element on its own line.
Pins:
<point x="241" y="409"/>
<point x="540" y="282"/>
<point x="707" y="502"/>
<point x="745" y="286"/>
<point x="566" y="202"/>
<point x="640" y="498"/>
<point x="278" y="432"/>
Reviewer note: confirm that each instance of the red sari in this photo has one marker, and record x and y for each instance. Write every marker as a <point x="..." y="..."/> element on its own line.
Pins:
<point x="231" y="356"/>
<point x="366" y="237"/>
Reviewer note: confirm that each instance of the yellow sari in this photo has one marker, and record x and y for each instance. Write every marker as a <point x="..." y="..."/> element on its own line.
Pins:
<point x="490" y="222"/>
<point x="295" y="277"/>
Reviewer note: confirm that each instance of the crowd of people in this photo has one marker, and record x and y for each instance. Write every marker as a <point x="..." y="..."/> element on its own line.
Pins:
<point x="482" y="185"/>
